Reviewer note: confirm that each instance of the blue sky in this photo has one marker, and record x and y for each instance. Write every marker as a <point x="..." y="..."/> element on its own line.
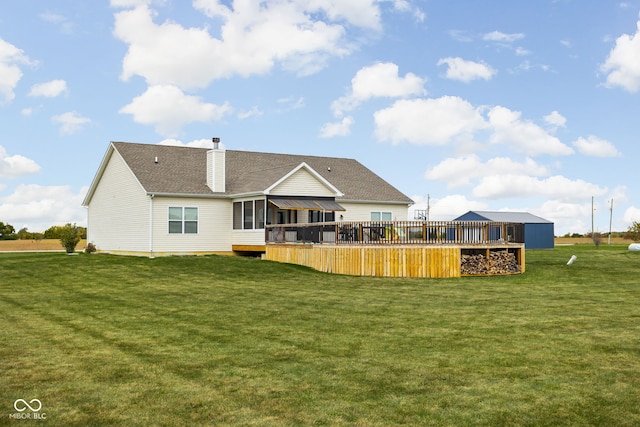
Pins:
<point x="494" y="105"/>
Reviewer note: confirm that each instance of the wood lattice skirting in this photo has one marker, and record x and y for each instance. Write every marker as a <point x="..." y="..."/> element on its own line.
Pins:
<point x="426" y="261"/>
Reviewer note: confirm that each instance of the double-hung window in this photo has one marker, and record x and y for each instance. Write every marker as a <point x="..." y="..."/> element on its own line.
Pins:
<point x="183" y="220"/>
<point x="381" y="216"/>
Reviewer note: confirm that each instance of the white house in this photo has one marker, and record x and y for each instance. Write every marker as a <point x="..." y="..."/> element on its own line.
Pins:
<point x="159" y="200"/>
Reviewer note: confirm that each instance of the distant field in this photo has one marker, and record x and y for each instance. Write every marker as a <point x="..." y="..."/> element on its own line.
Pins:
<point x="36" y="245"/>
<point x="106" y="340"/>
<point x="587" y="240"/>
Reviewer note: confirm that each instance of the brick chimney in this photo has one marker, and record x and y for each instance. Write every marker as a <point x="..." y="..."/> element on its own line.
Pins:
<point x="216" y="167"/>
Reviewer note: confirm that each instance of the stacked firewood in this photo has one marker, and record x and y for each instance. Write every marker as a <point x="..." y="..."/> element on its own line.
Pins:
<point x="499" y="262"/>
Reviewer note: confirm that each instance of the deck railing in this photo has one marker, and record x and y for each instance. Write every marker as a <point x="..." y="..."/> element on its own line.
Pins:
<point x="397" y="232"/>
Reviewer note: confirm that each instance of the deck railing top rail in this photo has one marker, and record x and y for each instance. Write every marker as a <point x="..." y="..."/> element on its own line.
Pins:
<point x="397" y="232"/>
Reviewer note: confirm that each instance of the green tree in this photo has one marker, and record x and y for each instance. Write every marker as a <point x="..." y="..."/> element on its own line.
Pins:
<point x="7" y="232"/>
<point x="633" y="232"/>
<point x="69" y="237"/>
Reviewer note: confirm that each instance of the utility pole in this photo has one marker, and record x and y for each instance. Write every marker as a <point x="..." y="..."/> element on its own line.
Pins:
<point x="610" y="219"/>
<point x="428" y="205"/>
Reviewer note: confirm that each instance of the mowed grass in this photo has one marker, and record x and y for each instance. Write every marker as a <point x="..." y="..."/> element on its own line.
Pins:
<point x="107" y="340"/>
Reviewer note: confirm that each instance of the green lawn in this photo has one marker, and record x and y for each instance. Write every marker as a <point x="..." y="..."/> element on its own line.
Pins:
<point x="106" y="340"/>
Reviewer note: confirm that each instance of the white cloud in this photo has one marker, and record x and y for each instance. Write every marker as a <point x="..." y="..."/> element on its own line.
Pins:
<point x="568" y="217"/>
<point x="446" y="208"/>
<point x="168" y="109"/>
<point x="555" y="120"/>
<point x="49" y="89"/>
<point x="378" y="80"/>
<point x="70" y="122"/>
<point x="10" y="74"/>
<point x="460" y="171"/>
<point x="254" y="38"/>
<point x="16" y="165"/>
<point x="252" y="112"/>
<point x="500" y="37"/>
<point x="466" y="71"/>
<point x="39" y="207"/>
<point x="623" y="63"/>
<point x="361" y="13"/>
<point x="66" y="26"/>
<point x="596" y="147"/>
<point x="524" y="135"/>
<point x="632" y="214"/>
<point x="522" y="186"/>
<point x="341" y="128"/>
<point x="433" y="121"/>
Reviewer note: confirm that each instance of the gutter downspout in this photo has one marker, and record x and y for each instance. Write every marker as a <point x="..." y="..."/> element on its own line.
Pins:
<point x="151" y="226"/>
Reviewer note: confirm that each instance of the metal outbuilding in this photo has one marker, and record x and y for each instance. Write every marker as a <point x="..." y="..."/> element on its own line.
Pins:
<point x="538" y="232"/>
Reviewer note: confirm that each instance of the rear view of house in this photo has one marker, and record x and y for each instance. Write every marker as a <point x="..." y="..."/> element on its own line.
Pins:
<point x="158" y="200"/>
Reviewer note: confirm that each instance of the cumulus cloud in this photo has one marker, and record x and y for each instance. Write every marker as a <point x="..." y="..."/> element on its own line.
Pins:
<point x="49" y="89"/>
<point x="16" y="165"/>
<point x="168" y="109"/>
<point x="568" y="216"/>
<point x="376" y="81"/>
<point x="466" y="71"/>
<point x="622" y="66"/>
<point x="555" y="120"/>
<point x="632" y="214"/>
<point x="462" y="170"/>
<point x="445" y="208"/>
<point x="524" y="135"/>
<point x="596" y="147"/>
<point x="433" y="121"/>
<point x="341" y="128"/>
<point x="254" y="38"/>
<point x="70" y="122"/>
<point x="10" y="73"/>
<point x="523" y="186"/>
<point x="40" y="207"/>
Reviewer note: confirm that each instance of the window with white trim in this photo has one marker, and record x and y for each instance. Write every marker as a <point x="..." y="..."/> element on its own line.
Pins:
<point x="183" y="220"/>
<point x="381" y="216"/>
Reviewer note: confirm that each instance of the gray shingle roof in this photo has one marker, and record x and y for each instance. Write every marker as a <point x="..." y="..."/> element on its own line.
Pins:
<point x="519" y="217"/>
<point x="182" y="170"/>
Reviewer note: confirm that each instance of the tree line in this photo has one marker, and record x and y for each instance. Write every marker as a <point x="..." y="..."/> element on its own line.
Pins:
<point x="8" y="232"/>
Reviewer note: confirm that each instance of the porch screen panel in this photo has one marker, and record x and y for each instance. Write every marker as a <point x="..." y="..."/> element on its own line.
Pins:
<point x="248" y="215"/>
<point x="237" y="216"/>
<point x="259" y="217"/>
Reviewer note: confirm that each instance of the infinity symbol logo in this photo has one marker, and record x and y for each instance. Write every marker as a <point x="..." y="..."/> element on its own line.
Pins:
<point x="26" y="405"/>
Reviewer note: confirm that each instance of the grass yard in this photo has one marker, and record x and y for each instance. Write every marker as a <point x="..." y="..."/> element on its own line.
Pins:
<point x="224" y="341"/>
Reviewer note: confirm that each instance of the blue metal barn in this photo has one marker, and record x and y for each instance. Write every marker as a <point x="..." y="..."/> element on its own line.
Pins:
<point x="538" y="232"/>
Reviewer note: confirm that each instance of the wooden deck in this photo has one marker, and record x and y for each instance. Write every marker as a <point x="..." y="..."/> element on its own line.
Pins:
<point x="420" y="261"/>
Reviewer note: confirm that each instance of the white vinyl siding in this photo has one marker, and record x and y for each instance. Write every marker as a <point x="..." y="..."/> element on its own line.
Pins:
<point x="118" y="215"/>
<point x="302" y="183"/>
<point x="362" y="211"/>
<point x="214" y="226"/>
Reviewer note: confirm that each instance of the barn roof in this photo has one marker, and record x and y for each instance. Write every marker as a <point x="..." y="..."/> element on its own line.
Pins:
<point x="498" y="216"/>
